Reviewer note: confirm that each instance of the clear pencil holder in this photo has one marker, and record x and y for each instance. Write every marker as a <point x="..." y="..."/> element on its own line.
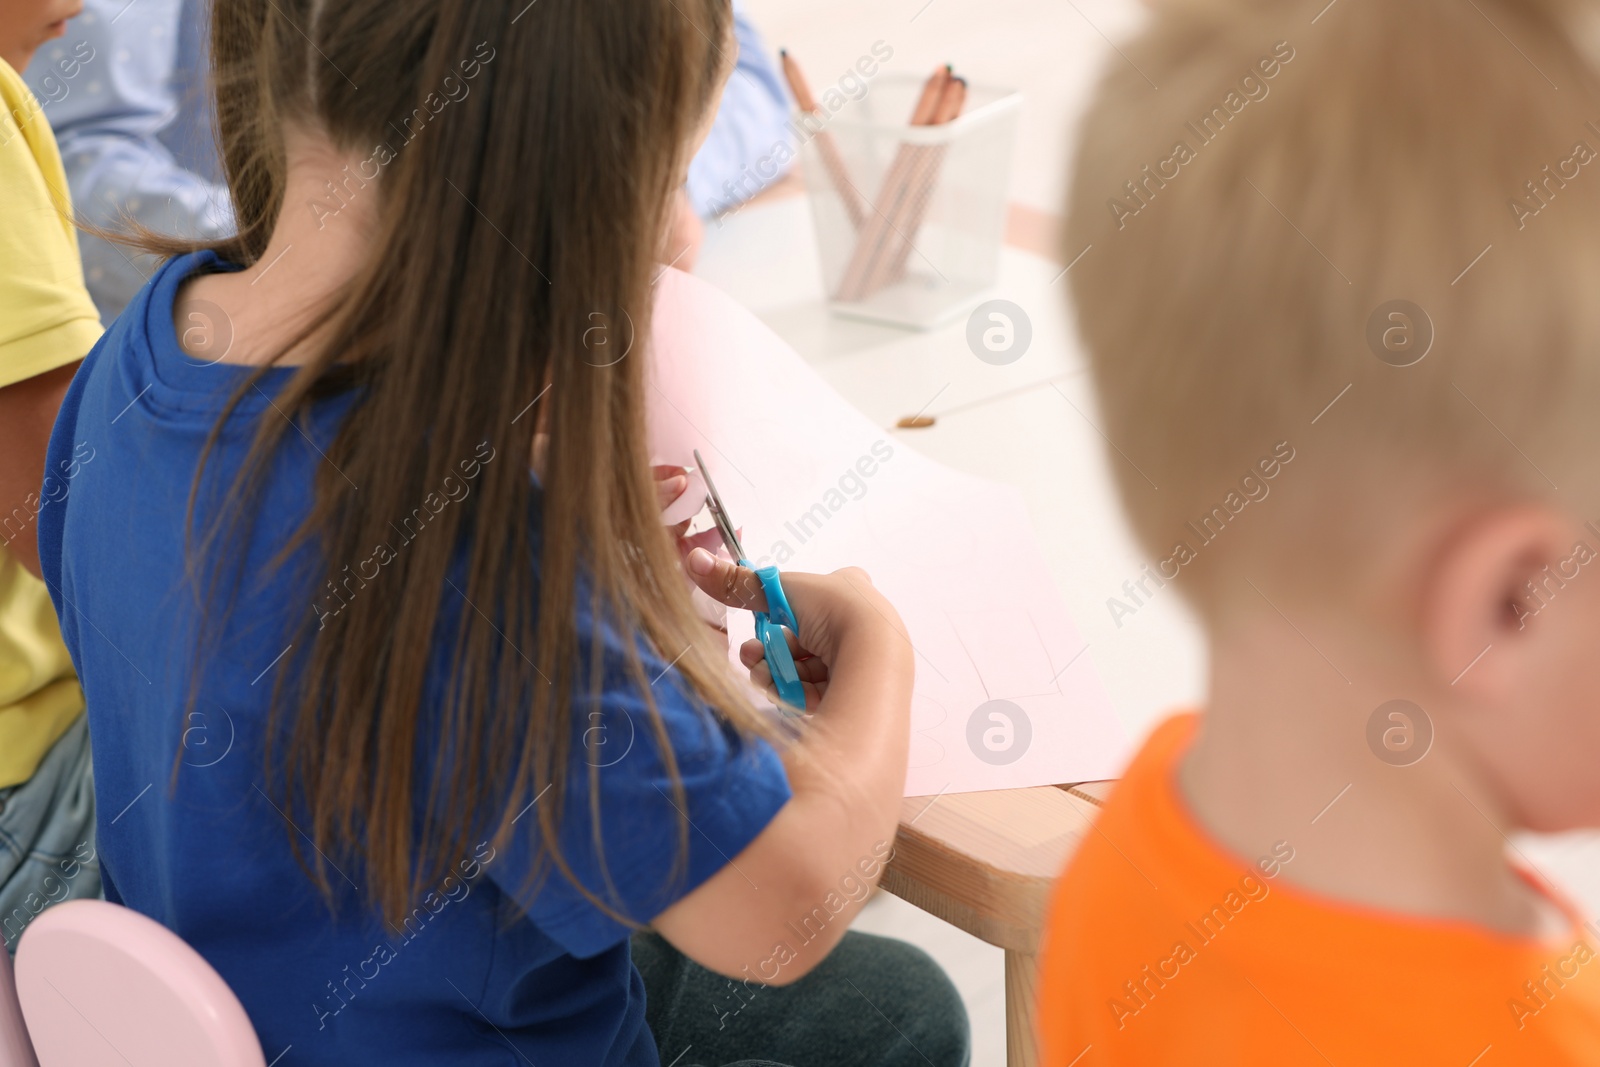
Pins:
<point x="909" y="219"/>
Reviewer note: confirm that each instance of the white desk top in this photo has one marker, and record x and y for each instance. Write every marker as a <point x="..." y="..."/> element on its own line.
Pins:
<point x="1014" y="424"/>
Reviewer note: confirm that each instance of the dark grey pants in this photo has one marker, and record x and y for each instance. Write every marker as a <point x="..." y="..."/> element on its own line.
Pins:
<point x="874" y="1002"/>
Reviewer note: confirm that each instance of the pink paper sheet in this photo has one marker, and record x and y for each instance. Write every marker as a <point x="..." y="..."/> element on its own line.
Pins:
<point x="1003" y="697"/>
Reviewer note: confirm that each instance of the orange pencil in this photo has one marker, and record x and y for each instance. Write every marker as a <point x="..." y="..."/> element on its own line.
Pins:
<point x="928" y="103"/>
<point x="832" y="161"/>
<point x="873" y="243"/>
<point x="924" y="181"/>
<point x="797" y="82"/>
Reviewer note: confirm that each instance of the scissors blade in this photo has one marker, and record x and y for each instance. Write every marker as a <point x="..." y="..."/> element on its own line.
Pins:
<point x="719" y="511"/>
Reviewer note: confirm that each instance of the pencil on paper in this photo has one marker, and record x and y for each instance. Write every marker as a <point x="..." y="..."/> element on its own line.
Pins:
<point x="832" y="160"/>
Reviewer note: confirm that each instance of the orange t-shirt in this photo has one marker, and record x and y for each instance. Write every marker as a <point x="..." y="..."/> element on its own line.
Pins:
<point x="1162" y="948"/>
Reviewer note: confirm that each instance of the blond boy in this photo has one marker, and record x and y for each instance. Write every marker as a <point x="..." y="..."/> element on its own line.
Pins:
<point x="1365" y="235"/>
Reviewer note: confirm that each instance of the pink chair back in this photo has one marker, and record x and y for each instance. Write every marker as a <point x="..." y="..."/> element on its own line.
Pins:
<point x="103" y="986"/>
<point x="15" y="1048"/>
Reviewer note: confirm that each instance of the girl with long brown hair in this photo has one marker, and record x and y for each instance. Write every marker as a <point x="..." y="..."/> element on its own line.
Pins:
<point x="349" y="662"/>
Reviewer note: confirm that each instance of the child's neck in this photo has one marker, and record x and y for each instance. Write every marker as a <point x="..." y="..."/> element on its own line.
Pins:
<point x="1282" y="755"/>
<point x="321" y="238"/>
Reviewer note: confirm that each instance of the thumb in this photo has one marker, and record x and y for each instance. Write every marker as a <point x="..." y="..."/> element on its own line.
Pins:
<point x="725" y="581"/>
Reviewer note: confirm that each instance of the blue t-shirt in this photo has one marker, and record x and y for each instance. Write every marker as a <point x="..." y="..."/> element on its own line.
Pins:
<point x="482" y="971"/>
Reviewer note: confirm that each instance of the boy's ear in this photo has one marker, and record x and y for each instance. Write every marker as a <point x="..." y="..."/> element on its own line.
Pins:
<point x="1479" y="602"/>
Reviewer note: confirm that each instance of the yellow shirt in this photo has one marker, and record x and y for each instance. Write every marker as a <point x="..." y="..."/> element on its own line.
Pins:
<point x="46" y="321"/>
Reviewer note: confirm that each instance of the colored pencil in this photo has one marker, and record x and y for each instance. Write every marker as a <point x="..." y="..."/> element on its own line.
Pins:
<point x="832" y="160"/>
<point x="876" y="238"/>
<point x="924" y="181"/>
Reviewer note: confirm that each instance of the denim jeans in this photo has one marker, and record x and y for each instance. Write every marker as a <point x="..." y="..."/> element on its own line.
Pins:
<point x="874" y="1002"/>
<point x="47" y="852"/>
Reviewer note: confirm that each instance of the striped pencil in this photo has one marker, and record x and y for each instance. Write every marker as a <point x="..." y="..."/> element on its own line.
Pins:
<point x="874" y="241"/>
<point x="832" y="161"/>
<point x="923" y="182"/>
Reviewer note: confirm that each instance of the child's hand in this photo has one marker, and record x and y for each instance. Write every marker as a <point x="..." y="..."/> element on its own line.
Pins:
<point x="813" y="670"/>
<point x="846" y="768"/>
<point x="842" y="618"/>
<point x="671" y="483"/>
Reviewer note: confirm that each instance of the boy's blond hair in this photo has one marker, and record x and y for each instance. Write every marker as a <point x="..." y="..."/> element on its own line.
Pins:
<point x="1251" y="226"/>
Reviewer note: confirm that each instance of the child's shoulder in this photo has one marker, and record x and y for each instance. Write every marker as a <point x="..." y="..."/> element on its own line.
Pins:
<point x="13" y="90"/>
<point x="26" y="139"/>
<point x="1139" y="828"/>
<point x="1159" y="941"/>
<point x="46" y="317"/>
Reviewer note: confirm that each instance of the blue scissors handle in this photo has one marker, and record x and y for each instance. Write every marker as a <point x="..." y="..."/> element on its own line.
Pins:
<point x="769" y="631"/>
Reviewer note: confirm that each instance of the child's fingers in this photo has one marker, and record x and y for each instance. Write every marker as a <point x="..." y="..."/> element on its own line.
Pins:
<point x="726" y="581"/>
<point x="751" y="653"/>
<point x="814" y="694"/>
<point x="671" y="481"/>
<point x="810" y="669"/>
<point x="710" y="540"/>
<point x="815" y="687"/>
<point x="761" y="676"/>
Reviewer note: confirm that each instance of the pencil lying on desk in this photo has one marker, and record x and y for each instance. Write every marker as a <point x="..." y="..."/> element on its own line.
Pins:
<point x="924" y="180"/>
<point x="832" y="161"/>
<point x="872" y="243"/>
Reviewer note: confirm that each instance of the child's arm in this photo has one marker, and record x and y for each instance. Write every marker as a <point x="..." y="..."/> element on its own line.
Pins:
<point x="826" y="847"/>
<point x="27" y="414"/>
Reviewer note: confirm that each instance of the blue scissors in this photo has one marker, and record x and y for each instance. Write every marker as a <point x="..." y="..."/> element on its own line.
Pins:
<point x="770" y="623"/>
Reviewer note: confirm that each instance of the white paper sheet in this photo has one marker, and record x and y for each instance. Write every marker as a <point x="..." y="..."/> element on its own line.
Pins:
<point x="1003" y="696"/>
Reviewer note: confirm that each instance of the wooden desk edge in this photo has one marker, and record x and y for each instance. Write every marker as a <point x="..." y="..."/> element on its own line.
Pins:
<point x="953" y="859"/>
<point x="1096" y="793"/>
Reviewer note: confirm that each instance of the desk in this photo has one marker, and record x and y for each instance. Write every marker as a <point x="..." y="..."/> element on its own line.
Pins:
<point x="985" y="861"/>
<point x="1030" y="424"/>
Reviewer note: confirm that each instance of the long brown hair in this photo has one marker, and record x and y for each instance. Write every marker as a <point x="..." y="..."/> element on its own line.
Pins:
<point x="515" y="221"/>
